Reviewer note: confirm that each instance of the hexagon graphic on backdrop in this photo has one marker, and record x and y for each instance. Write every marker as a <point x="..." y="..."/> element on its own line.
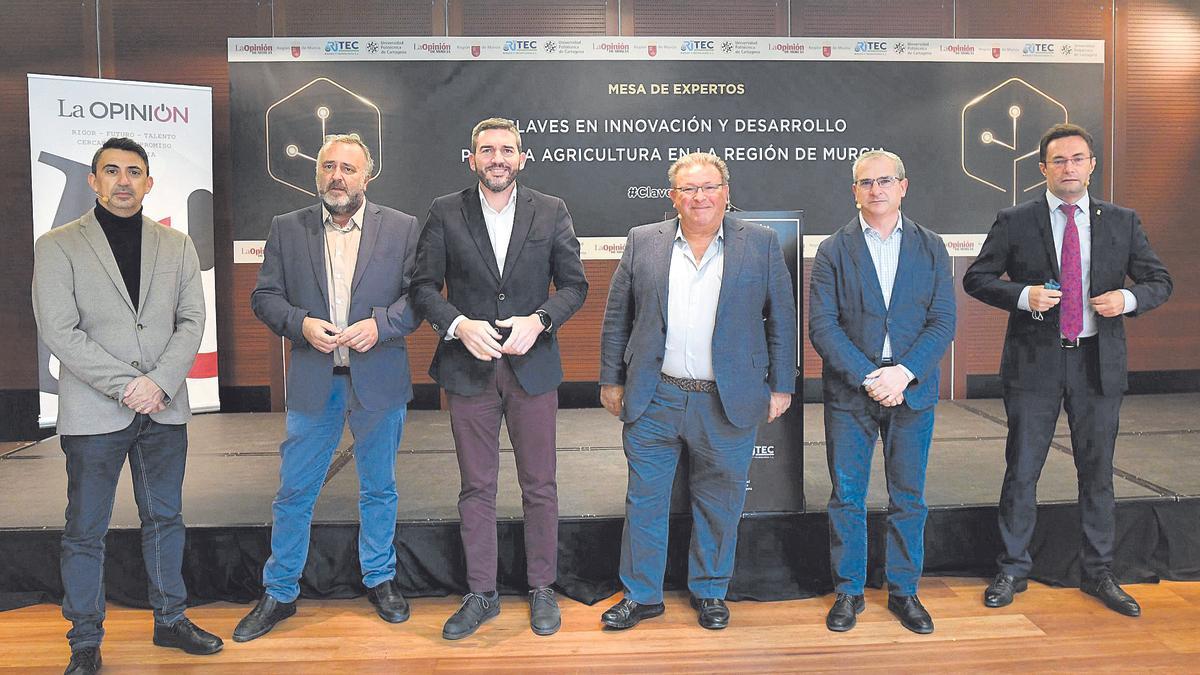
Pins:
<point x="296" y="126"/>
<point x="1000" y="132"/>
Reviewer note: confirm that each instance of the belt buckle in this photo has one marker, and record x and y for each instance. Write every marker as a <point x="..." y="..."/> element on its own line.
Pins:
<point x="1069" y="344"/>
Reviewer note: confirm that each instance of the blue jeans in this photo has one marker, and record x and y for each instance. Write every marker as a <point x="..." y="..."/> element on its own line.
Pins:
<point x="719" y="455"/>
<point x="306" y="456"/>
<point x="850" y="442"/>
<point x="157" y="454"/>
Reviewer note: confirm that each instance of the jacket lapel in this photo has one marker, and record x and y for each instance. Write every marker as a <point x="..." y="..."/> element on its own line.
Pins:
<point x="661" y="261"/>
<point x="315" y="230"/>
<point x="1102" y="244"/>
<point x="473" y="215"/>
<point x="872" y="292"/>
<point x="366" y="242"/>
<point x="905" y="264"/>
<point x="1042" y="218"/>
<point x="99" y="243"/>
<point x="522" y="222"/>
<point x="734" y="252"/>
<point x="149" y="257"/>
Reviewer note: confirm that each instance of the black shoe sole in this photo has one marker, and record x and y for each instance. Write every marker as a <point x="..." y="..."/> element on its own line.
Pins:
<point x="1018" y="587"/>
<point x="919" y="630"/>
<point x="632" y="622"/>
<point x="1119" y="609"/>
<point x="447" y="636"/>
<point x="394" y="618"/>
<point x="546" y="631"/>
<point x="268" y="629"/>
<point x="189" y="650"/>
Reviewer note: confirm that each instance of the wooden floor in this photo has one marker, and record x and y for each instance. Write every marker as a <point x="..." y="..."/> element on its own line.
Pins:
<point x="1045" y="630"/>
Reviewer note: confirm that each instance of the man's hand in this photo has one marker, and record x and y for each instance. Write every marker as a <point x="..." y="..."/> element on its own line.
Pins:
<point x="143" y="396"/>
<point x="1110" y="304"/>
<point x="612" y="397"/>
<point x="779" y="405"/>
<point x="1042" y="300"/>
<point x="322" y="335"/>
<point x="360" y="335"/>
<point x="888" y="385"/>
<point x="525" y="331"/>
<point x="479" y="338"/>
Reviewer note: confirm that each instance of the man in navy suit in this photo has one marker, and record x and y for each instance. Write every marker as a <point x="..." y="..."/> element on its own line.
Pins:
<point x="1065" y="347"/>
<point x="334" y="281"/>
<point x="881" y="315"/>
<point x="698" y="348"/>
<point x="496" y="247"/>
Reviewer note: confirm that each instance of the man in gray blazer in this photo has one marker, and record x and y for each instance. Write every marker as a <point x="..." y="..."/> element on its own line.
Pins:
<point x="118" y="300"/>
<point x="334" y="282"/>
<point x="698" y="348"/>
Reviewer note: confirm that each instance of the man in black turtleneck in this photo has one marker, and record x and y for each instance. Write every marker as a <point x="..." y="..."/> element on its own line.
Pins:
<point x="119" y="301"/>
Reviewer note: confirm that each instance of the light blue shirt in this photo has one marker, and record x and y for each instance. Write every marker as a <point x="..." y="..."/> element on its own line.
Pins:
<point x="885" y="254"/>
<point x="1083" y="223"/>
<point x="693" y="288"/>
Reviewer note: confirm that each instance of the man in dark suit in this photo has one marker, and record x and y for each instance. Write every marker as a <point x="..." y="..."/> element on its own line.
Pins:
<point x="497" y="247"/>
<point x="335" y="281"/>
<point x="881" y="315"/>
<point x="698" y="348"/>
<point x="1065" y="346"/>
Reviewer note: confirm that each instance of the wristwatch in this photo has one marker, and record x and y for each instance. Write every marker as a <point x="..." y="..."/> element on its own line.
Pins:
<point x="546" y="322"/>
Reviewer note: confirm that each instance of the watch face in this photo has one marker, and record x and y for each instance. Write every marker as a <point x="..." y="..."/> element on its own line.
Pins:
<point x="545" y="319"/>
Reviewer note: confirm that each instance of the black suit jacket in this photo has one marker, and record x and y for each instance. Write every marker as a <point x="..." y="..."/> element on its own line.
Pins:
<point x="454" y="250"/>
<point x="1021" y="245"/>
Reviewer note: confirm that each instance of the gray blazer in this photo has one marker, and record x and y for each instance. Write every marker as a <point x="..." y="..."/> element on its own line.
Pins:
<point x="754" y="341"/>
<point x="87" y="320"/>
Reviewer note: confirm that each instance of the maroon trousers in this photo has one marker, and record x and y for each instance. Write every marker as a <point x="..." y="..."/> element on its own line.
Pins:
<point x="475" y="422"/>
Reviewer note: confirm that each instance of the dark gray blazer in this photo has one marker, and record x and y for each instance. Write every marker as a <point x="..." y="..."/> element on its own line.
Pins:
<point x="1021" y="246"/>
<point x="293" y="284"/>
<point x="847" y="319"/>
<point x="456" y="252"/>
<point x="754" y="340"/>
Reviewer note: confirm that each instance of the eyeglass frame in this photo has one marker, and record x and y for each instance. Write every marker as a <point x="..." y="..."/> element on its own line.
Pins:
<point x="692" y="190"/>
<point x="868" y="183"/>
<point x="1061" y="163"/>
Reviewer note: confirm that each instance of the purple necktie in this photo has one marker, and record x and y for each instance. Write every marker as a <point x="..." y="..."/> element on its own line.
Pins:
<point x="1070" y="315"/>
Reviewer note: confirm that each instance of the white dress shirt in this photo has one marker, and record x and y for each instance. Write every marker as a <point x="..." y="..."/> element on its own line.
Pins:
<point x="693" y="288"/>
<point x="499" y="228"/>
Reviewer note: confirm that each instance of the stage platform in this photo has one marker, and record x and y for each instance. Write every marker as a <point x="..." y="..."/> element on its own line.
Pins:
<point x="233" y="466"/>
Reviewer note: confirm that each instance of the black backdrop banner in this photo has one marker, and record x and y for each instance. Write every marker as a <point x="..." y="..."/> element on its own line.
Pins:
<point x="602" y="119"/>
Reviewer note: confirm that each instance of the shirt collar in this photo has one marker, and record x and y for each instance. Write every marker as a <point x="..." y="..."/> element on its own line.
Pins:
<point x="512" y="199"/>
<point x="862" y="222"/>
<point x="679" y="232"/>
<point x="1054" y="202"/>
<point x="355" y="220"/>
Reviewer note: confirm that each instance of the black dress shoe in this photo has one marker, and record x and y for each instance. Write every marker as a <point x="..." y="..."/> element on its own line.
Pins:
<point x="844" y="613"/>
<point x="1106" y="588"/>
<point x="84" y="661"/>
<point x="627" y="614"/>
<point x="390" y="605"/>
<point x="474" y="611"/>
<point x="714" y="615"/>
<point x="912" y="615"/>
<point x="544" y="617"/>
<point x="1002" y="589"/>
<point x="262" y="618"/>
<point x="185" y="635"/>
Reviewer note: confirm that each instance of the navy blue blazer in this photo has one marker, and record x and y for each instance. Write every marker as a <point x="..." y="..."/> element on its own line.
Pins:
<point x="847" y="319"/>
<point x="292" y="284"/>
<point x="754" y="340"/>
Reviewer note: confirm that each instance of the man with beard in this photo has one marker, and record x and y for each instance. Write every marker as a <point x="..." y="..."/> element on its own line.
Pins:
<point x="334" y="281"/>
<point x="497" y="248"/>
<point x="118" y="300"/>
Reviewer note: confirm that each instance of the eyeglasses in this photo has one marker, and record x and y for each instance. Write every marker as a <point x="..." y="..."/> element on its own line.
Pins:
<point x="1062" y="162"/>
<point x="692" y="190"/>
<point x="884" y="182"/>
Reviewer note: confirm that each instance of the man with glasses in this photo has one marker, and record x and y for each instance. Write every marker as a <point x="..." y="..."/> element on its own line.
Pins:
<point x="698" y="348"/>
<point x="881" y="315"/>
<point x="1066" y="256"/>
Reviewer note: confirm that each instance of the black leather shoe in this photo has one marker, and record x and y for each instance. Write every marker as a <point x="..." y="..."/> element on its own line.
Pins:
<point x="714" y="614"/>
<point x="912" y="615"/>
<point x="84" y="661"/>
<point x="389" y="604"/>
<point x="474" y="611"/>
<point x="262" y="618"/>
<point x="544" y="617"/>
<point x="185" y="635"/>
<point x="627" y="614"/>
<point x="1106" y="589"/>
<point x="844" y="614"/>
<point x="1002" y="589"/>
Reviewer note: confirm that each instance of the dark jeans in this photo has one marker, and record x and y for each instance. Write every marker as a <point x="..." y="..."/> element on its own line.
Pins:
<point x="157" y="453"/>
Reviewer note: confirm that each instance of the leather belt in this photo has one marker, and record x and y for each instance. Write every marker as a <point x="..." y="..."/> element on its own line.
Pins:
<point x="1077" y="342"/>
<point x="688" y="384"/>
<point x="341" y="370"/>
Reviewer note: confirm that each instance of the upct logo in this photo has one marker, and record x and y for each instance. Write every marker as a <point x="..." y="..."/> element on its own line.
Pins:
<point x="697" y="46"/>
<point x="335" y="46"/>
<point x="870" y="47"/>
<point x="515" y="46"/>
<point x="1039" y="48"/>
